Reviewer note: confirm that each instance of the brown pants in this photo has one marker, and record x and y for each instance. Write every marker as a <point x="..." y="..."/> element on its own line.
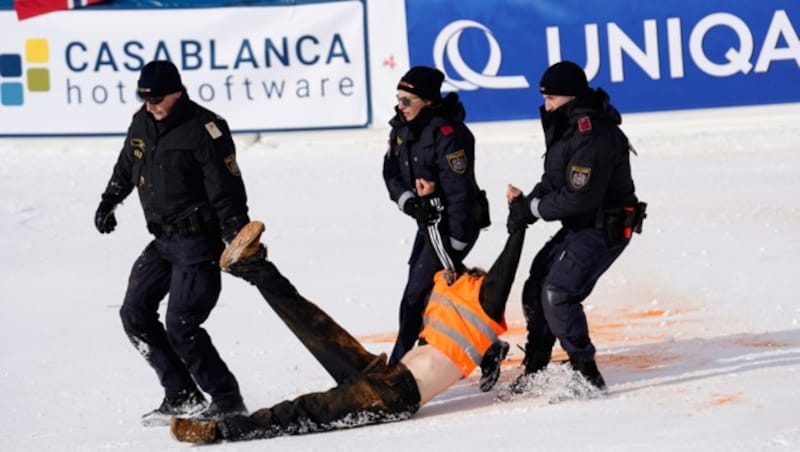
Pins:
<point x="368" y="392"/>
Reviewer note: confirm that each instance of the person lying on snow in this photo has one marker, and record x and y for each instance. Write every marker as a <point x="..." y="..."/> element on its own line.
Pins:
<point x="461" y="323"/>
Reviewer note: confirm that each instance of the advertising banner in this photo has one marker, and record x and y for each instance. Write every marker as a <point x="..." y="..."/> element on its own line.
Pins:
<point x="648" y="55"/>
<point x="261" y="68"/>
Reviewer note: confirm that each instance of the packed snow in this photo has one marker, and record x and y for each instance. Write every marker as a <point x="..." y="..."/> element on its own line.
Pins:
<point x="697" y="325"/>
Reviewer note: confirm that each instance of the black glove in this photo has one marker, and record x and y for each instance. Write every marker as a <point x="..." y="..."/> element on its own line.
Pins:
<point x="519" y="214"/>
<point x="250" y="267"/>
<point x="425" y="210"/>
<point x="231" y="227"/>
<point x="104" y="219"/>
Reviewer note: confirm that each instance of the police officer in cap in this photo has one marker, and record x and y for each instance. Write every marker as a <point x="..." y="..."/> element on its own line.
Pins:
<point x="181" y="159"/>
<point x="430" y="146"/>
<point x="587" y="186"/>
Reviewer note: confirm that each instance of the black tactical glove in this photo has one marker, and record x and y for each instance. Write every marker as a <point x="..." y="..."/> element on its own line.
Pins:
<point x="425" y="210"/>
<point x="519" y="214"/>
<point x="231" y="227"/>
<point x="104" y="219"/>
<point x="249" y="267"/>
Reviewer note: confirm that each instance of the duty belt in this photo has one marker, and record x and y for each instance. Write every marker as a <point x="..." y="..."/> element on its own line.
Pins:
<point x="200" y="221"/>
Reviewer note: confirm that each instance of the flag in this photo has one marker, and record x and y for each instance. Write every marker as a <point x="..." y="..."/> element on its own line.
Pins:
<point x="29" y="8"/>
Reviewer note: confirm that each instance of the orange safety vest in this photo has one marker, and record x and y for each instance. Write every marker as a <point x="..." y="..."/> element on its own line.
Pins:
<point x="455" y="324"/>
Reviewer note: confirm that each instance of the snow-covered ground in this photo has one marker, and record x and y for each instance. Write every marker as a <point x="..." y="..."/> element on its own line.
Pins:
<point x="697" y="325"/>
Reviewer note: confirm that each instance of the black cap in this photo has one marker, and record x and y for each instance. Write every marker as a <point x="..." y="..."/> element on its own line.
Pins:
<point x="564" y="79"/>
<point x="158" y="78"/>
<point x="425" y="82"/>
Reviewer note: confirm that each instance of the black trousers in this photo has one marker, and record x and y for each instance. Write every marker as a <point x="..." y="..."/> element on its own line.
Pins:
<point x="562" y="276"/>
<point x="181" y="353"/>
<point x="422" y="266"/>
<point x="368" y="390"/>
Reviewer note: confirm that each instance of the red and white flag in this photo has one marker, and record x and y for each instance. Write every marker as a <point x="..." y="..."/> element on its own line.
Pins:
<point x="29" y="8"/>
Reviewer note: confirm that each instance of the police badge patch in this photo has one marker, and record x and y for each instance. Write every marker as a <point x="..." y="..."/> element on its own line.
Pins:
<point x="579" y="176"/>
<point x="457" y="161"/>
<point x="233" y="167"/>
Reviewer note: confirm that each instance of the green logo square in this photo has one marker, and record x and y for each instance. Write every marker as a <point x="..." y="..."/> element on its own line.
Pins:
<point x="39" y="79"/>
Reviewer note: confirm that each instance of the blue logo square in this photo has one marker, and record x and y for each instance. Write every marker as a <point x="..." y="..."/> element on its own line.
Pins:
<point x="10" y="65"/>
<point x="11" y="93"/>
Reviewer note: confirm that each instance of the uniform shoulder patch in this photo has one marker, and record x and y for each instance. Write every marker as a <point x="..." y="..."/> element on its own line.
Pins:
<point x="579" y="176"/>
<point x="446" y="129"/>
<point x="213" y="130"/>
<point x="584" y="124"/>
<point x="138" y="146"/>
<point x="457" y="161"/>
<point x="233" y="167"/>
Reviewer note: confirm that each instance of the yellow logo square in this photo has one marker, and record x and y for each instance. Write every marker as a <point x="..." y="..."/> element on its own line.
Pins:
<point x="37" y="50"/>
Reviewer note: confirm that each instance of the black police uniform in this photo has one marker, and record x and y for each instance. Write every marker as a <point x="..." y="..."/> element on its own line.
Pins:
<point x="192" y="194"/>
<point x="436" y="146"/>
<point x="586" y="185"/>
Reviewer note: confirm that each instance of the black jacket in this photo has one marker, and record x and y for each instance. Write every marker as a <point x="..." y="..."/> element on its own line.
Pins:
<point x="587" y="165"/>
<point x="181" y="165"/>
<point x="437" y="146"/>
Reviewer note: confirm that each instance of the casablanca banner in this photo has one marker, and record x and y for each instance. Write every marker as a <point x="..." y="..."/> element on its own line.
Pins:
<point x="262" y="68"/>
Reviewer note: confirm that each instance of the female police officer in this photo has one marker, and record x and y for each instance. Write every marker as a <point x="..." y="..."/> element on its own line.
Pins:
<point x="430" y="141"/>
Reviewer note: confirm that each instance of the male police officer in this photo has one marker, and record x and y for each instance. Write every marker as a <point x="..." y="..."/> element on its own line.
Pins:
<point x="181" y="158"/>
<point x="587" y="185"/>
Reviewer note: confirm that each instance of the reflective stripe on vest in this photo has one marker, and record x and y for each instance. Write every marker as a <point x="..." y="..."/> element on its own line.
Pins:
<point x="470" y="317"/>
<point x="467" y="348"/>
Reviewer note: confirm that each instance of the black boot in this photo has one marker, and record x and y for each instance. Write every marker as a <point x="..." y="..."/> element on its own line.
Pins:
<point x="222" y="409"/>
<point x="536" y="360"/>
<point x="185" y="403"/>
<point x="588" y="368"/>
<point x="490" y="364"/>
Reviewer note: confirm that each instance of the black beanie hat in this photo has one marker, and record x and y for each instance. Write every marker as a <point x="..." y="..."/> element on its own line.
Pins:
<point x="425" y="82"/>
<point x="564" y="79"/>
<point x="158" y="78"/>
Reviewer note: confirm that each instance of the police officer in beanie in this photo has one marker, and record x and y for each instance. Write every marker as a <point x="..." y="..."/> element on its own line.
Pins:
<point x="587" y="186"/>
<point x="181" y="159"/>
<point x="429" y="143"/>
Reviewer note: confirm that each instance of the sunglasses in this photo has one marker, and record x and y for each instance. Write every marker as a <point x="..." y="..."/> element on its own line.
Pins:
<point x="406" y="101"/>
<point x="153" y="100"/>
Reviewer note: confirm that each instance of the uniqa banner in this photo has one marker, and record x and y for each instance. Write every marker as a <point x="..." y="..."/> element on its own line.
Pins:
<point x="648" y="55"/>
<point x="261" y="68"/>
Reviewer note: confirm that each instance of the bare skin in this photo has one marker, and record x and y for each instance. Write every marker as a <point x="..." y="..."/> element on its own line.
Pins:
<point x="163" y="108"/>
<point x="552" y="102"/>
<point x="415" y="104"/>
<point x="433" y="371"/>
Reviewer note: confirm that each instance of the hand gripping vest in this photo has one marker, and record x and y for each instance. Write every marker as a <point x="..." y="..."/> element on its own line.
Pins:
<point x="455" y="324"/>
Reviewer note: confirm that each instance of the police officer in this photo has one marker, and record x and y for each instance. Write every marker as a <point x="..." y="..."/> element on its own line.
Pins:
<point x="430" y="142"/>
<point x="587" y="185"/>
<point x="181" y="159"/>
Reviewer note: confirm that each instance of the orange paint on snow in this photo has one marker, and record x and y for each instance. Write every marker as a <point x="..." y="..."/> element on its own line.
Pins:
<point x="650" y="313"/>
<point x="723" y="399"/>
<point x="765" y="343"/>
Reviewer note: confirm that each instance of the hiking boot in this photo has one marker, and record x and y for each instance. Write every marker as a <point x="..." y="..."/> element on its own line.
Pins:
<point x="185" y="403"/>
<point x="535" y="361"/>
<point x="490" y="365"/>
<point x="589" y="370"/>
<point x="193" y="430"/>
<point x="245" y="244"/>
<point x="219" y="410"/>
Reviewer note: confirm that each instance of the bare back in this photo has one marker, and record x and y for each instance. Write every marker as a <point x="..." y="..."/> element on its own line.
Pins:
<point x="433" y="371"/>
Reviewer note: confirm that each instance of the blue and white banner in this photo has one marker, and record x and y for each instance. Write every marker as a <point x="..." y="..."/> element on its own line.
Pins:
<point x="648" y="55"/>
<point x="292" y="67"/>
